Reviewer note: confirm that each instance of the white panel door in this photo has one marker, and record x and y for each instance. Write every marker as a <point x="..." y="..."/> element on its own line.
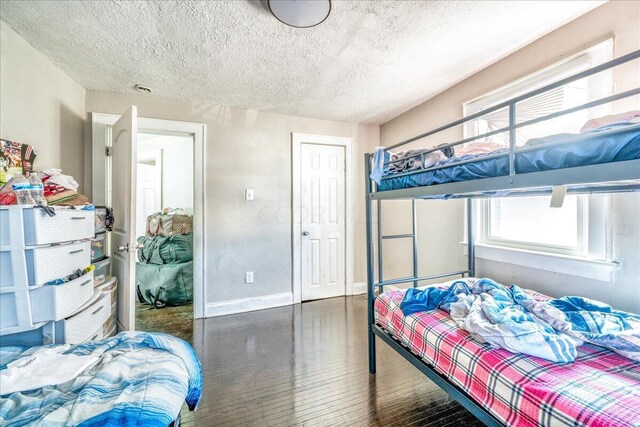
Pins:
<point x="123" y="261"/>
<point x="323" y="221"/>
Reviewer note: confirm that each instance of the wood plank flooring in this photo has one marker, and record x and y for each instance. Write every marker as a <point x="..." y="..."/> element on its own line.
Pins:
<point x="306" y="365"/>
<point x="177" y="321"/>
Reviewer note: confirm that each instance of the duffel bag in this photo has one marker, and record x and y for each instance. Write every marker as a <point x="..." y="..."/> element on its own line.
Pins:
<point x="161" y="224"/>
<point x="168" y="284"/>
<point x="166" y="250"/>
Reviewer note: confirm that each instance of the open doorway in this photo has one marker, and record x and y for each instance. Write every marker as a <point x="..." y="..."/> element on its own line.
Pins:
<point x="151" y="193"/>
<point x="164" y="231"/>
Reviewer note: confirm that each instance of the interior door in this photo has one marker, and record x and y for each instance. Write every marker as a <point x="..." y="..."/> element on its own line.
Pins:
<point x="323" y="221"/>
<point x="123" y="260"/>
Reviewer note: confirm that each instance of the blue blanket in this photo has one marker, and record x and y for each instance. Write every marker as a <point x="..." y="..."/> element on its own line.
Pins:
<point x="596" y="149"/>
<point x="140" y="379"/>
<point x="507" y="317"/>
<point x="599" y="324"/>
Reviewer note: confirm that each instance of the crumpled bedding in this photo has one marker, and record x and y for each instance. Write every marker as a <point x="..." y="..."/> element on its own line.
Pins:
<point x="139" y="379"/>
<point x="600" y="147"/>
<point x="506" y="317"/>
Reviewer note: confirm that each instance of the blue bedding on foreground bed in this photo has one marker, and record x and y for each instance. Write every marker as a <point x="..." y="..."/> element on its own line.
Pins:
<point x="139" y="379"/>
<point x="595" y="149"/>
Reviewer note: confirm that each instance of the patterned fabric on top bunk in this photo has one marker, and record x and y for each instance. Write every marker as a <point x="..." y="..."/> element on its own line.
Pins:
<point x="596" y="149"/>
<point x="601" y="388"/>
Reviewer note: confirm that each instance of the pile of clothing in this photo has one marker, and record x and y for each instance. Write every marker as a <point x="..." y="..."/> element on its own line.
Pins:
<point x="60" y="189"/>
<point x="16" y="161"/>
<point x="164" y="271"/>
<point x="509" y="318"/>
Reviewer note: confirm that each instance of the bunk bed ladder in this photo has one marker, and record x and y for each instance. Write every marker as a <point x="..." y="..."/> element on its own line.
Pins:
<point x="413" y="236"/>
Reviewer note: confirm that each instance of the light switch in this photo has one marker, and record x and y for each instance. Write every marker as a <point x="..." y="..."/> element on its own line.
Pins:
<point x="248" y="277"/>
<point x="248" y="194"/>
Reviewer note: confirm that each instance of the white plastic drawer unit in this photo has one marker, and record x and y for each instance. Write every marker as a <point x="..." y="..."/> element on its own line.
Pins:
<point x="82" y="326"/>
<point x="39" y="265"/>
<point x="28" y="226"/>
<point x="15" y="314"/>
<point x="55" y="302"/>
<point x="54" y="262"/>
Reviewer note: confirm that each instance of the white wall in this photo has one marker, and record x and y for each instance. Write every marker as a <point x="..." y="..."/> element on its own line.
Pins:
<point x="443" y="221"/>
<point x="177" y="168"/>
<point x="41" y="106"/>
<point x="249" y="149"/>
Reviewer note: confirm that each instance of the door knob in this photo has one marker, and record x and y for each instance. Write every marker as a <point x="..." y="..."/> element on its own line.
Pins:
<point x="125" y="247"/>
<point x="305" y="233"/>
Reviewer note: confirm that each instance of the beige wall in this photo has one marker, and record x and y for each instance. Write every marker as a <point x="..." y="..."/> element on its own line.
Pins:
<point x="40" y="106"/>
<point x="443" y="221"/>
<point x="249" y="149"/>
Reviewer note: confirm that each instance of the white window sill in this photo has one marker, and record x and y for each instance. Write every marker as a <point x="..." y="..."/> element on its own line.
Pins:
<point x="565" y="264"/>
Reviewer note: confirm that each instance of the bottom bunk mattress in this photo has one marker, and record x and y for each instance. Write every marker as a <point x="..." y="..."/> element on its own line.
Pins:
<point x="601" y="388"/>
<point x="134" y="378"/>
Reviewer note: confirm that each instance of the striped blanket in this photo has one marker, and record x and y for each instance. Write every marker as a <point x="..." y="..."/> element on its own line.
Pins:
<point x="139" y="379"/>
<point x="601" y="388"/>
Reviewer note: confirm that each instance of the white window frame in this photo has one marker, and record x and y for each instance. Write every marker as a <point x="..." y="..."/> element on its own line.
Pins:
<point x="592" y="257"/>
<point x="581" y="249"/>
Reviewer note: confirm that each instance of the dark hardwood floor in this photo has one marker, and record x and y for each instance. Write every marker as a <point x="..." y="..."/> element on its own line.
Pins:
<point x="177" y="321"/>
<point x="307" y="365"/>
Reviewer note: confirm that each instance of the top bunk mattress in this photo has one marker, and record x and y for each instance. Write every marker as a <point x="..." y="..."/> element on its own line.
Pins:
<point x="601" y="388"/>
<point x="596" y="148"/>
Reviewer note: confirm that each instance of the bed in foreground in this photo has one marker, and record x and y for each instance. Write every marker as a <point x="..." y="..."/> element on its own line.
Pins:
<point x="134" y="378"/>
<point x="601" y="388"/>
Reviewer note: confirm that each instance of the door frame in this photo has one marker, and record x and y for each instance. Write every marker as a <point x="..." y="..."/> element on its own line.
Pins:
<point x="101" y="165"/>
<point x="297" y="139"/>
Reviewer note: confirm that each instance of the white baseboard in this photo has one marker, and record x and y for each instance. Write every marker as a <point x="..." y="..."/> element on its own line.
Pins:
<point x="223" y="308"/>
<point x="359" y="288"/>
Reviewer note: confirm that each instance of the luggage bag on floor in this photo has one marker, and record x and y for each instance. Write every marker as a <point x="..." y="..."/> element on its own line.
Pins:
<point x="166" y="250"/>
<point x="165" y="284"/>
<point x="168" y="224"/>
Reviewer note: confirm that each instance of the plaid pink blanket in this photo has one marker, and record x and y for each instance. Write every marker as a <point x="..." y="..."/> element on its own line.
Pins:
<point x="601" y="388"/>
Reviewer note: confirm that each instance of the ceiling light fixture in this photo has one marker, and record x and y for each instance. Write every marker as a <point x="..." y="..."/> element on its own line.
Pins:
<point x="142" y="88"/>
<point x="300" y="13"/>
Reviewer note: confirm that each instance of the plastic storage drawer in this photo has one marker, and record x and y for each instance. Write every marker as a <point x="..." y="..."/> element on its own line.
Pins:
<point x="55" y="302"/>
<point x="110" y="287"/>
<point x="102" y="271"/>
<point x="98" y="247"/>
<point x="37" y="266"/>
<point x="28" y="226"/>
<point x="82" y="326"/>
<point x="103" y="220"/>
<point x="15" y="315"/>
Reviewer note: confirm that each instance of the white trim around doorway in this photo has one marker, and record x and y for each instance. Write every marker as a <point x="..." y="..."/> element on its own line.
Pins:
<point x="297" y="139"/>
<point x="101" y="189"/>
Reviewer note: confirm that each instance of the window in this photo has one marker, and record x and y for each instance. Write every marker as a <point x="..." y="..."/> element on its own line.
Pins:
<point x="528" y="222"/>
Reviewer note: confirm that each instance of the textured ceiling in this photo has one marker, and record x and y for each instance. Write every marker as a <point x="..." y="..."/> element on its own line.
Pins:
<point x="368" y="62"/>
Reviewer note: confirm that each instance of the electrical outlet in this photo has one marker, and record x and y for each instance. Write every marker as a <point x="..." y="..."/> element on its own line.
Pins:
<point x="248" y="194"/>
<point x="248" y="277"/>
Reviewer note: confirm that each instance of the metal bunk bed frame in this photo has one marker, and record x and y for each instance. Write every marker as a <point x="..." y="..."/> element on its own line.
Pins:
<point x="608" y="178"/>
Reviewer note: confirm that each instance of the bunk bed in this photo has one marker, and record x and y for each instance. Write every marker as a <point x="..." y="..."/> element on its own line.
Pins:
<point x="603" y="160"/>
